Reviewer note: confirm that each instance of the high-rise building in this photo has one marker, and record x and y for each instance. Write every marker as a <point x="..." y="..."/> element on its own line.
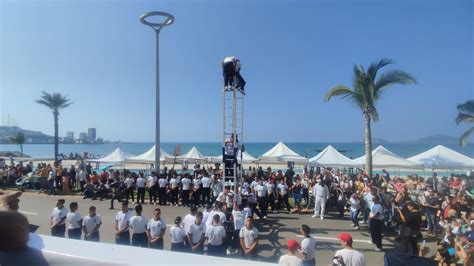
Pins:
<point x="70" y="135"/>
<point x="82" y="136"/>
<point x="91" y="133"/>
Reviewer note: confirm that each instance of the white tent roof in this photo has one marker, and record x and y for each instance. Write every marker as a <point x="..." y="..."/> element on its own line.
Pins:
<point x="441" y="157"/>
<point x="192" y="155"/>
<point x="246" y="158"/>
<point x="149" y="156"/>
<point x="330" y="157"/>
<point x="383" y="158"/>
<point x="280" y="153"/>
<point x="118" y="156"/>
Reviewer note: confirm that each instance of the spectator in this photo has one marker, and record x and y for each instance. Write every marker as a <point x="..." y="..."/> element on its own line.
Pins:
<point x="348" y="256"/>
<point x="291" y="259"/>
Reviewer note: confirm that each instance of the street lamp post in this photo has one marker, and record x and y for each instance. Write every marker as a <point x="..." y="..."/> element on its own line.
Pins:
<point x="168" y="19"/>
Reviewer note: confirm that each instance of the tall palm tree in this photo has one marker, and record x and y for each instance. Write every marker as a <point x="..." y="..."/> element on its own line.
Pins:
<point x="19" y="139"/>
<point x="55" y="102"/>
<point x="366" y="90"/>
<point x="466" y="115"/>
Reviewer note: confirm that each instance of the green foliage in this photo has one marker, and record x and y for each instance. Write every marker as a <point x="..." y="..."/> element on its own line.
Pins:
<point x="466" y="115"/>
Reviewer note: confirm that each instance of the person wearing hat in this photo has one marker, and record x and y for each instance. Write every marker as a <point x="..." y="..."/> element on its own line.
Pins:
<point x="178" y="235"/>
<point x="58" y="219"/>
<point x="138" y="225"/>
<point x="348" y="256"/>
<point x="122" y="234"/>
<point x="291" y="259"/>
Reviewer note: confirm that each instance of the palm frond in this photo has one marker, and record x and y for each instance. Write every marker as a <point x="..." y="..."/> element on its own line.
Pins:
<point x="336" y="91"/>
<point x="18" y="138"/>
<point x="377" y="65"/>
<point x="465" y="137"/>
<point x="464" y="118"/>
<point x="467" y="107"/>
<point x="393" y="77"/>
<point x="54" y="101"/>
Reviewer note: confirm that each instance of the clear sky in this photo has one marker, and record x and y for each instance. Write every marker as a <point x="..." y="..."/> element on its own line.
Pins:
<point x="292" y="52"/>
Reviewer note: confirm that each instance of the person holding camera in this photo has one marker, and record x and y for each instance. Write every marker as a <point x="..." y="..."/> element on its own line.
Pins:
<point x="412" y="222"/>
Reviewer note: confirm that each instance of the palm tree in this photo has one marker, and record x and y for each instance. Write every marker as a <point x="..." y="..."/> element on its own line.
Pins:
<point x="466" y="115"/>
<point x="55" y="102"/>
<point x="366" y="90"/>
<point x="19" y="139"/>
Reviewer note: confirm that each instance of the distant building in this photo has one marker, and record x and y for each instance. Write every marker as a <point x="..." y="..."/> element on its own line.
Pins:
<point x="82" y="136"/>
<point x="70" y="135"/>
<point x="91" y="133"/>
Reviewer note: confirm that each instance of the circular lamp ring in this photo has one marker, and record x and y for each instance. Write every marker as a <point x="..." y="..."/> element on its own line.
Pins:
<point x="168" y="19"/>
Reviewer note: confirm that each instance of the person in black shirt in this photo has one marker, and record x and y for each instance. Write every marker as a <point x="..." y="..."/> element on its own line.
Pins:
<point x="412" y="220"/>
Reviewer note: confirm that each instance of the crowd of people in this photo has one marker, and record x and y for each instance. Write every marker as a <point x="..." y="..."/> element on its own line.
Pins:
<point x="439" y="206"/>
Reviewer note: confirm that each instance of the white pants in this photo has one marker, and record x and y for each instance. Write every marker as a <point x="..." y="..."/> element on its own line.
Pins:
<point x="319" y="204"/>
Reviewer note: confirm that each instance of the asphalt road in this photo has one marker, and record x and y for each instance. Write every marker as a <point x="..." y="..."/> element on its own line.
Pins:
<point x="275" y="231"/>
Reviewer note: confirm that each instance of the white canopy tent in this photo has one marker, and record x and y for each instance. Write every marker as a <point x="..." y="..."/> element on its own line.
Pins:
<point x="330" y="157"/>
<point x="281" y="153"/>
<point x="383" y="158"/>
<point x="192" y="156"/>
<point x="149" y="156"/>
<point x="246" y="158"/>
<point x="441" y="157"/>
<point x="117" y="157"/>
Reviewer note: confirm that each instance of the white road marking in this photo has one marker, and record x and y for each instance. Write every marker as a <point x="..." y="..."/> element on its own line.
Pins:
<point x="30" y="213"/>
<point x="335" y="239"/>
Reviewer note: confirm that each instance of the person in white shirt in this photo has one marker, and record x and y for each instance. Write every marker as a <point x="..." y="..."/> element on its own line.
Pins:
<point x="238" y="216"/>
<point x="291" y="259"/>
<point x="249" y="239"/>
<point x="130" y="183"/>
<point x="141" y="187"/>
<point x="91" y="225"/>
<point x="217" y="187"/>
<point x="151" y="184"/>
<point x="355" y="208"/>
<point x="196" y="234"/>
<point x="376" y="224"/>
<point x="156" y="229"/>
<point x="174" y="190"/>
<point x="74" y="221"/>
<point x="321" y="195"/>
<point x="58" y="219"/>
<point x="215" y="235"/>
<point x="347" y="256"/>
<point x="262" y="194"/>
<point x="283" y="195"/>
<point x="162" y="186"/>
<point x="138" y="224"/>
<point x="206" y="188"/>
<point x="231" y="71"/>
<point x="82" y="178"/>
<point x="197" y="188"/>
<point x="122" y="234"/>
<point x="308" y="247"/>
<point x="186" y="182"/>
<point x="178" y="236"/>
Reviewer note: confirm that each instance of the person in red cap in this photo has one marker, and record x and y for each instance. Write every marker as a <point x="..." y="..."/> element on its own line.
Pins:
<point x="291" y="259"/>
<point x="348" y="256"/>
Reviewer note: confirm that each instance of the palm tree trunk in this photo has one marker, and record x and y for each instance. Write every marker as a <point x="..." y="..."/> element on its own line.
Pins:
<point x="56" y="138"/>
<point x="368" y="146"/>
<point x="21" y="150"/>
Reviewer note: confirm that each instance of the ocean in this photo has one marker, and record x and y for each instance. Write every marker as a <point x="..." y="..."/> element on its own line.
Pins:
<point x="352" y="150"/>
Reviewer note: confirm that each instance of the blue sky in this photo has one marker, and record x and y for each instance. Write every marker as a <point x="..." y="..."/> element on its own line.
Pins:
<point x="292" y="52"/>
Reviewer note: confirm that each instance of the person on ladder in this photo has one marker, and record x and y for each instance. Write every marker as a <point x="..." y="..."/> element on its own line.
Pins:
<point x="231" y="70"/>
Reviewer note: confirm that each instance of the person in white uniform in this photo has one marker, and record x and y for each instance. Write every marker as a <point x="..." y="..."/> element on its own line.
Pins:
<point x="155" y="230"/>
<point x="74" y="221"/>
<point x="215" y="235"/>
<point x="138" y="224"/>
<point x="141" y="187"/>
<point x="91" y="225"/>
<point x="178" y="236"/>
<point x="249" y="239"/>
<point x="58" y="219"/>
<point x="321" y="195"/>
<point x="122" y="234"/>
<point x="196" y="234"/>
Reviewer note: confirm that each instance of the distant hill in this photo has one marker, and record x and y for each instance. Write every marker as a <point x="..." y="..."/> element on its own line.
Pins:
<point x="435" y="139"/>
<point x="30" y="136"/>
<point x="376" y="141"/>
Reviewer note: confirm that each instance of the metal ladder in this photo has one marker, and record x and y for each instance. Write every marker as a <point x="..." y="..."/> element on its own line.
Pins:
<point x="232" y="125"/>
